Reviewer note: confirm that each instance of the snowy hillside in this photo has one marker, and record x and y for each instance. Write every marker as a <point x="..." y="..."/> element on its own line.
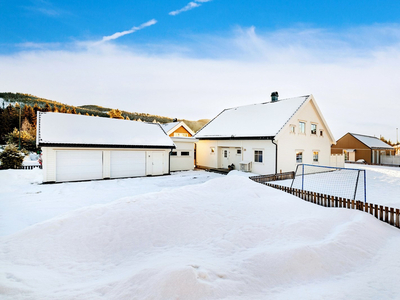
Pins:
<point x="226" y="238"/>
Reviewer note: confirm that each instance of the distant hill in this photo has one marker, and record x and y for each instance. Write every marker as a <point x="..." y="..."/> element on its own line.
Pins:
<point x="95" y="110"/>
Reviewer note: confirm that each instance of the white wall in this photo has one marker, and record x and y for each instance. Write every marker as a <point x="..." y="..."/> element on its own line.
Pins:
<point x="337" y="160"/>
<point x="205" y="158"/>
<point x="179" y="162"/>
<point x="289" y="143"/>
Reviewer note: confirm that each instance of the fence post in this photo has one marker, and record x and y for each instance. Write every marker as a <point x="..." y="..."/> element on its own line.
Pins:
<point x="381" y="212"/>
<point x="391" y="216"/>
<point x="371" y="209"/>
<point x="386" y="214"/>
<point x="366" y="207"/>
<point x="376" y="211"/>
<point x="397" y="218"/>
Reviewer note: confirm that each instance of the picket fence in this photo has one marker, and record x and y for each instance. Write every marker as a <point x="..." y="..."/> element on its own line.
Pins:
<point x="386" y="214"/>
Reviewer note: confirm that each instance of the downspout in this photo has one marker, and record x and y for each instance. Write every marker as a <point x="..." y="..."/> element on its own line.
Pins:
<point x="169" y="161"/>
<point x="276" y="156"/>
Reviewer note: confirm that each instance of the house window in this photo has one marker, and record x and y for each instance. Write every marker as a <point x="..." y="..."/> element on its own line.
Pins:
<point x="185" y="153"/>
<point x="174" y="153"/>
<point x="314" y="129"/>
<point x="302" y="127"/>
<point x="212" y="150"/>
<point x="315" y="156"/>
<point x="238" y="151"/>
<point x="258" y="156"/>
<point x="293" y="129"/>
<point x="299" y="157"/>
<point x="321" y="133"/>
<point x="182" y="134"/>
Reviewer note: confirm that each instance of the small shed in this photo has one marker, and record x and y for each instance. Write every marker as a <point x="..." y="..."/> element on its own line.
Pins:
<point x="183" y="157"/>
<point x="358" y="146"/>
<point x="77" y="147"/>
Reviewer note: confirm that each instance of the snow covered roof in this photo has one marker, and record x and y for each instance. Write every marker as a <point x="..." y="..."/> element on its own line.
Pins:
<point x="371" y="141"/>
<point x="73" y="130"/>
<point x="256" y="120"/>
<point x="168" y="126"/>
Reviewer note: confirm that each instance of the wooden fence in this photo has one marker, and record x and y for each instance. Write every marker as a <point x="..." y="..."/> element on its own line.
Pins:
<point x="272" y="177"/>
<point x="386" y="214"/>
<point x="31" y="167"/>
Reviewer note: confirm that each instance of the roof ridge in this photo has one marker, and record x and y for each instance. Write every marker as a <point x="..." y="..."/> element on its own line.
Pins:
<point x="269" y="102"/>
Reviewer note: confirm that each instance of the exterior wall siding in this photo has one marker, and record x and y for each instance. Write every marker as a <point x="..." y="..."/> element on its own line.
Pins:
<point x="350" y="142"/>
<point x="181" y="129"/>
<point x="180" y="162"/>
<point x="291" y="142"/>
<point x="209" y="159"/>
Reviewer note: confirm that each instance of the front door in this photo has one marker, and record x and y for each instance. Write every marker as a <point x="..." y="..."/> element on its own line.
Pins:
<point x="224" y="154"/>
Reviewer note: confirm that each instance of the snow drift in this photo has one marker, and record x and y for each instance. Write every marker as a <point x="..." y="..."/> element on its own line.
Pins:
<point x="229" y="238"/>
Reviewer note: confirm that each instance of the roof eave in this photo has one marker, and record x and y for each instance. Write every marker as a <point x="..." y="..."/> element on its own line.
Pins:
<point x="66" y="145"/>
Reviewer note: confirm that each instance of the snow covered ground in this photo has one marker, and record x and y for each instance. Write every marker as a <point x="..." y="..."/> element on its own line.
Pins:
<point x="192" y="235"/>
<point x="383" y="184"/>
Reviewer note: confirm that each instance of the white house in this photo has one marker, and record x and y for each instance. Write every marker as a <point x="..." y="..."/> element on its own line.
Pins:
<point x="183" y="157"/>
<point x="77" y="147"/>
<point x="266" y="138"/>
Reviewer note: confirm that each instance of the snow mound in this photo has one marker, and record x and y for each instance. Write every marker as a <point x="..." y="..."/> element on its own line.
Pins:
<point x="229" y="238"/>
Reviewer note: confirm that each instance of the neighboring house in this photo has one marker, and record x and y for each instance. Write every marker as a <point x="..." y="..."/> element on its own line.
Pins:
<point x="77" y="147"/>
<point x="183" y="157"/>
<point x="266" y="138"/>
<point x="358" y="146"/>
<point x="397" y="149"/>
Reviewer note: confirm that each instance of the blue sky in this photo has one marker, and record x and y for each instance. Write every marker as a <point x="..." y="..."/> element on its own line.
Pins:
<point x="166" y="57"/>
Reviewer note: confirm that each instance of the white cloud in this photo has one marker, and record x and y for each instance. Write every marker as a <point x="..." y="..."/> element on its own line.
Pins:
<point x="189" y="6"/>
<point x="133" y="29"/>
<point x="356" y="88"/>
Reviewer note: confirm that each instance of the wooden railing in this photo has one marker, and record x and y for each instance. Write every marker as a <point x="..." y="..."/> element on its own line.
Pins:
<point x="386" y="214"/>
<point x="272" y="177"/>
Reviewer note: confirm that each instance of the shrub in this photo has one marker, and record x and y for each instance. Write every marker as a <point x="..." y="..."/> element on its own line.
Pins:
<point x="11" y="157"/>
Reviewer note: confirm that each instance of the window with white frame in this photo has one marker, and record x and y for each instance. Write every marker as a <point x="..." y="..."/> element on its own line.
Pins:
<point x="185" y="153"/>
<point x="225" y="153"/>
<point x="315" y="156"/>
<point x="314" y="129"/>
<point x="321" y="133"/>
<point x="238" y="151"/>
<point x="292" y="129"/>
<point x="302" y="127"/>
<point x="299" y="157"/>
<point x="181" y="134"/>
<point x="258" y="156"/>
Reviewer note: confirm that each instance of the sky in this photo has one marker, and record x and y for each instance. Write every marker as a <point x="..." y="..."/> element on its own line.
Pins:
<point x="192" y="59"/>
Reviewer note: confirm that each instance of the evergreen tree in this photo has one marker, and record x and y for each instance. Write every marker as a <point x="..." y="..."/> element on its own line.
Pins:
<point x="11" y="157"/>
<point x="47" y="108"/>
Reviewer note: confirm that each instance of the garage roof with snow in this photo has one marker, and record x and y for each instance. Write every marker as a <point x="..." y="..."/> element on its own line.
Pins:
<point x="256" y="120"/>
<point x="58" y="129"/>
<point x="371" y="141"/>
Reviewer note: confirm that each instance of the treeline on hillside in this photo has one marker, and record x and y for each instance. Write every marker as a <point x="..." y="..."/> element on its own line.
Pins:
<point x="28" y="105"/>
<point x="27" y="99"/>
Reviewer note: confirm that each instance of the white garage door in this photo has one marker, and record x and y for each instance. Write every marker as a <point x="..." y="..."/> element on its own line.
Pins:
<point x="79" y="165"/>
<point x="128" y="164"/>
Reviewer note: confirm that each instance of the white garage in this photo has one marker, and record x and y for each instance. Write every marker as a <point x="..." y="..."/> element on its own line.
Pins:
<point x="76" y="148"/>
